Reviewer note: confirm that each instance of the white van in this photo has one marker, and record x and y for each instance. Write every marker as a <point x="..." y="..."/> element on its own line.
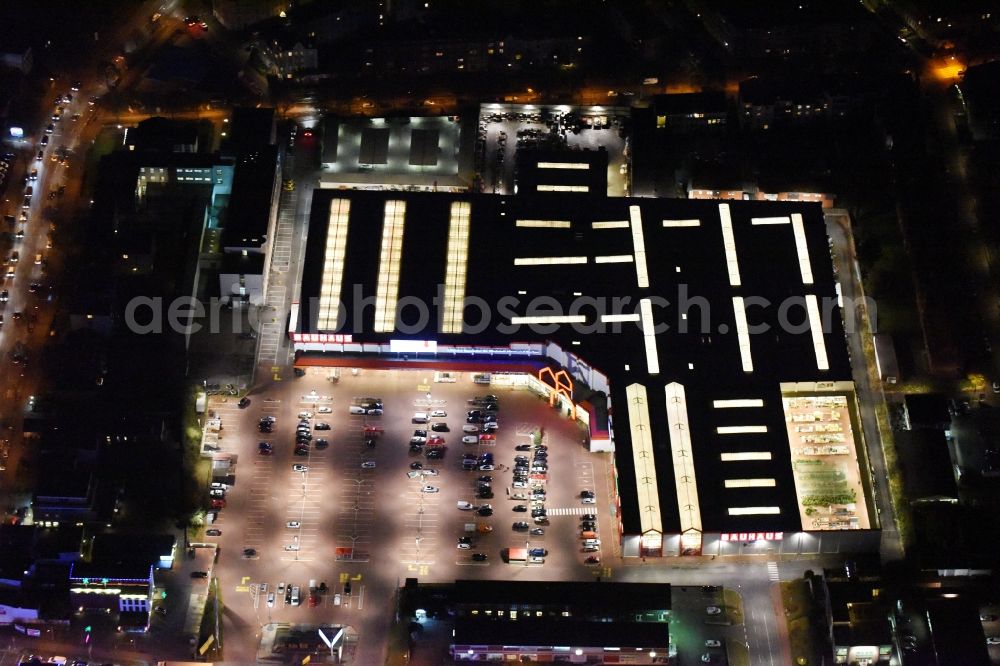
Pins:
<point x="354" y="409"/>
<point x="295" y="596"/>
<point x="419" y="417"/>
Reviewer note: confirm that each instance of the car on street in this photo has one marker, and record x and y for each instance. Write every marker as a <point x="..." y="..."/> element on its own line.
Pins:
<point x="538" y="552"/>
<point x="218" y="503"/>
<point x="537" y="531"/>
<point x="270" y="599"/>
<point x="591" y="549"/>
<point x="429" y="472"/>
<point x="465" y="506"/>
<point x="217" y="492"/>
<point x="470" y="439"/>
<point x="485" y="511"/>
<point x="436" y="440"/>
<point x="321" y="443"/>
<point x="520" y="526"/>
<point x="322" y="426"/>
<point x="592" y="559"/>
<point x="520" y="508"/>
<point x="305" y="415"/>
<point x="588" y="500"/>
<point x="199" y="574"/>
<point x="486" y="467"/>
<point x="479" y="557"/>
<point x="470" y="428"/>
<point x="439" y="427"/>
<point x="435" y="454"/>
<point x="368" y="464"/>
<point x="588" y="516"/>
<point x="243" y="403"/>
<point x="713" y="610"/>
<point x="416" y="465"/>
<point x="293" y="524"/>
<point x="711" y="642"/>
<point x="300" y="468"/>
<point x="439" y="414"/>
<point x="249" y="552"/>
<point x="523" y="447"/>
<point x="213" y="532"/>
<point x="429" y="489"/>
<point x="265" y="450"/>
<point x="325" y="410"/>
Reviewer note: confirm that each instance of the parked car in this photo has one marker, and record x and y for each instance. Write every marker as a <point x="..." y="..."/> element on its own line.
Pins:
<point x="520" y="526"/>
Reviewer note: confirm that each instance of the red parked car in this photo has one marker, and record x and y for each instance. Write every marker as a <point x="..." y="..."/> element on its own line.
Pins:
<point x="218" y="504"/>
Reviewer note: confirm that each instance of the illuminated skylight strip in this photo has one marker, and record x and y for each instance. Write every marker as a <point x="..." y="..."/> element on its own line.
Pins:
<point x="550" y="319"/>
<point x="741" y="430"/>
<point x="387" y="293"/>
<point x="647" y="493"/>
<point x="543" y="224"/>
<point x="563" y="165"/>
<point x="743" y="333"/>
<point x="750" y="483"/>
<point x="617" y="318"/>
<point x="333" y="265"/>
<point x="769" y="220"/>
<point x="613" y="259"/>
<point x="617" y="224"/>
<point x="742" y="402"/>
<point x="638" y="246"/>
<point x="563" y="188"/>
<point x="816" y="328"/>
<point x="688" y="506"/>
<point x="457" y="267"/>
<point x="729" y="244"/>
<point x="548" y="261"/>
<point x="679" y="224"/>
<point x="754" y="510"/>
<point x="648" y="336"/>
<point x="744" y="456"/>
<point x="802" y="248"/>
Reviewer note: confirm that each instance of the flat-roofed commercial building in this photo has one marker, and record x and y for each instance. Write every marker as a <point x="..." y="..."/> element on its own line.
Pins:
<point x="709" y="332"/>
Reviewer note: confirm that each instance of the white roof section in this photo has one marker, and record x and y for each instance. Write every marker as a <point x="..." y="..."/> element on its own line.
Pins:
<point x="642" y="457"/>
<point x="816" y="328"/>
<point x="770" y="220"/>
<point x="729" y="244"/>
<point x="613" y="259"/>
<point x="387" y="294"/>
<point x="649" y="336"/>
<point x="548" y="261"/>
<point x="743" y="333"/>
<point x="543" y="224"/>
<point x="333" y="265"/>
<point x="745" y="456"/>
<point x="681" y="224"/>
<point x="618" y="318"/>
<point x="737" y="403"/>
<point x="457" y="267"/>
<point x="612" y="224"/>
<point x="741" y="430"/>
<point x="688" y="506"/>
<point x="563" y="165"/>
<point x="802" y="248"/>
<point x="754" y="510"/>
<point x="638" y="246"/>
<point x="550" y="319"/>
<point x="563" y="188"/>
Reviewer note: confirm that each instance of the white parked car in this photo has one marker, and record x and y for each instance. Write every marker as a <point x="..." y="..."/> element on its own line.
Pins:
<point x="270" y="599"/>
<point x="293" y="546"/>
<point x="293" y="525"/>
<point x="439" y="414"/>
<point x="325" y="410"/>
<point x="354" y="409"/>
<point x="470" y="439"/>
<point x="713" y="610"/>
<point x="429" y="489"/>
<point x="368" y="464"/>
<point x="300" y="468"/>
<point x="466" y="506"/>
<point x="711" y="642"/>
<point x="305" y="415"/>
<point x="470" y="428"/>
<point x="429" y="472"/>
<point x="536" y="560"/>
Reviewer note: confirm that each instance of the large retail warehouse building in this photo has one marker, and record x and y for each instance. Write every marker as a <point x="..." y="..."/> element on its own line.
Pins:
<point x="704" y="341"/>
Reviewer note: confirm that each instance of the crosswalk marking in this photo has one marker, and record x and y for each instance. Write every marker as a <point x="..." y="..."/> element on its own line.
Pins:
<point x="772" y="571"/>
<point x="574" y="511"/>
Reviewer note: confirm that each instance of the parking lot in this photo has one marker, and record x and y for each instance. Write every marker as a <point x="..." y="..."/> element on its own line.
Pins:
<point x="357" y="516"/>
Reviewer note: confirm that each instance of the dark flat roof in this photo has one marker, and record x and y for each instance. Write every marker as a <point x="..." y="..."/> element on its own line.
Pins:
<point x="926" y="464"/>
<point x="688" y="274"/>
<point x="250" y="203"/>
<point x="550" y="631"/>
<point x="608" y="598"/>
